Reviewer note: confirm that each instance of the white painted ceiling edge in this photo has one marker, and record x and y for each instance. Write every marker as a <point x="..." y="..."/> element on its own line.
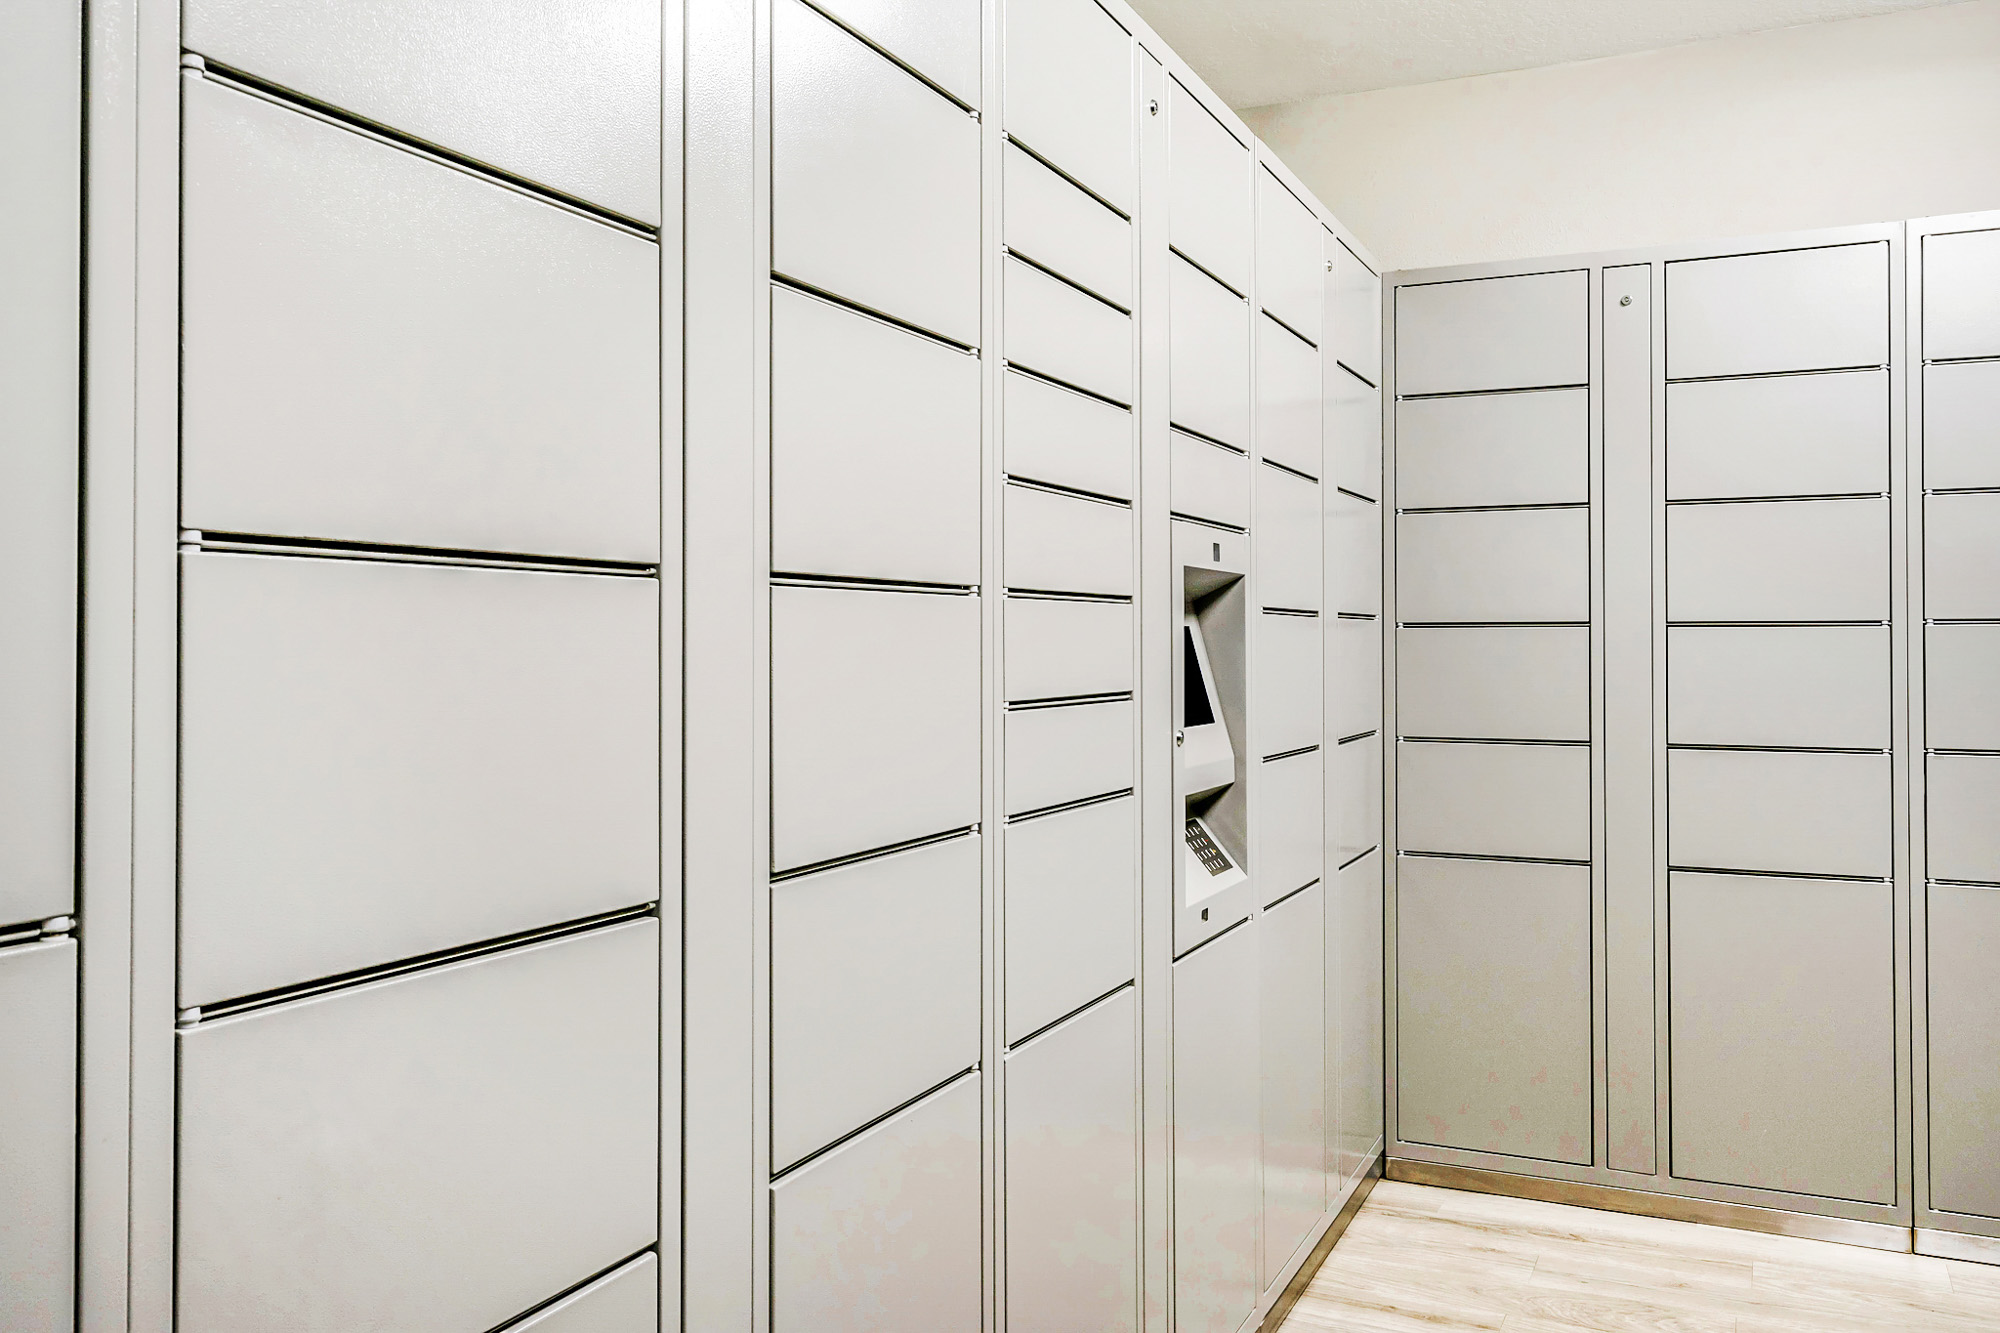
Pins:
<point x="1258" y="53"/>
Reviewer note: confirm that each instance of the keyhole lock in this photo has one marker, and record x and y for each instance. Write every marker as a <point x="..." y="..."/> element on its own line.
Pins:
<point x="1180" y="738"/>
<point x="1624" y="300"/>
<point x="1152" y="106"/>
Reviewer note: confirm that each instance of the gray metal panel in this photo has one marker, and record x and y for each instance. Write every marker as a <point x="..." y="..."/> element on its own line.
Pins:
<point x="38" y="1135"/>
<point x="1779" y="435"/>
<point x="378" y="347"/>
<point x="1494" y="449"/>
<point x="1963" y="796"/>
<point x="1962" y="556"/>
<point x="1215" y="1126"/>
<point x="874" y="990"/>
<point x="1964" y="1048"/>
<point x="382" y="760"/>
<point x="1072" y="1248"/>
<point x="1354" y="313"/>
<point x="1526" y="683"/>
<point x="1209" y="481"/>
<point x="1208" y="179"/>
<point x="1356" y="774"/>
<point x="1355" y="663"/>
<point x="625" y="1300"/>
<point x="1493" y="1039"/>
<point x="938" y="39"/>
<point x="875" y="460"/>
<point x="1291" y="826"/>
<point x="1288" y="399"/>
<point x="882" y="1235"/>
<point x="1961" y="707"/>
<point x="1807" y="685"/>
<point x="1067" y="439"/>
<point x="1288" y="667"/>
<point x="1504" y="565"/>
<point x="1354" y="536"/>
<point x="1071" y="907"/>
<point x="874" y="720"/>
<point x="1353" y="420"/>
<point x="1961" y="271"/>
<point x="1354" y="920"/>
<point x="1290" y="268"/>
<point x="569" y="97"/>
<point x="1067" y="753"/>
<point x="1783" y="1005"/>
<point x="1286" y="535"/>
<point x="1066" y="543"/>
<point x="1523" y="332"/>
<point x="1056" y="648"/>
<point x="1291" y="983"/>
<point x="1814" y="309"/>
<point x="1069" y="93"/>
<point x="1824" y="814"/>
<point x="874" y="179"/>
<point x="1053" y="329"/>
<point x="440" y="1150"/>
<point x="1060" y="227"/>
<point x="1208" y="365"/>
<point x="1962" y="425"/>
<point x="1798" y="560"/>
<point x="1494" y="800"/>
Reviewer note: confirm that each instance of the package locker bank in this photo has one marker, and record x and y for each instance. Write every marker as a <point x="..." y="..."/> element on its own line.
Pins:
<point x="751" y="665"/>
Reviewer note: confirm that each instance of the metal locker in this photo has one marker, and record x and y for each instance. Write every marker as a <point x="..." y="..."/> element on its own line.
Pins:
<point x="1069" y="94"/>
<point x="1494" y="566"/>
<point x="1291" y="983"/>
<point x="1286" y="533"/>
<point x="1961" y="707"/>
<point x="874" y="990"/>
<point x="1059" y="331"/>
<point x="1494" y="683"/>
<point x="1494" y="449"/>
<point x="1290" y="687"/>
<point x="1291" y="826"/>
<point x="1809" y="685"/>
<point x="1531" y="331"/>
<point x="874" y="720"/>
<point x="1354" y="536"/>
<point x="1779" y="435"/>
<point x="381" y="760"/>
<point x="1964" y="1048"/>
<point x="1790" y="561"/>
<point x="1355" y="654"/>
<point x="1354" y="921"/>
<point x="1962" y="556"/>
<point x="1825" y="814"/>
<point x="1058" y="542"/>
<point x="380" y="347"/>
<point x="1494" y="800"/>
<point x="1071" y="905"/>
<point x="1208" y="365"/>
<point x="569" y="99"/>
<point x="939" y="40"/>
<point x="1825" y="308"/>
<point x="1215" y="1116"/>
<point x="882" y="1235"/>
<point x="1291" y="271"/>
<point x="1963" y="796"/>
<point x="1288" y="398"/>
<point x="875" y="448"/>
<point x="1058" y="648"/>
<point x="1208" y="174"/>
<point x="1054" y="435"/>
<point x="1208" y="481"/>
<point x="439" y="1150"/>
<point x="1357" y="797"/>
<point x="1493" y="1038"/>
<point x="1802" y="1096"/>
<point x="38" y="1136"/>
<point x="1354" y="433"/>
<point x="1962" y="425"/>
<point x="874" y="179"/>
<point x="1961" y="272"/>
<point x="625" y="1300"/>
<point x="1070" y="752"/>
<point x="1051" y="222"/>
<point x="1072" y="1249"/>
<point x="1354" y="312"/>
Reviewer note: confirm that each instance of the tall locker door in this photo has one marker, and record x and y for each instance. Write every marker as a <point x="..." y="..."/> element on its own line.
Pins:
<point x="38" y="1135"/>
<point x="1216" y="1113"/>
<point x="1354" y="967"/>
<point x="1292" y="1049"/>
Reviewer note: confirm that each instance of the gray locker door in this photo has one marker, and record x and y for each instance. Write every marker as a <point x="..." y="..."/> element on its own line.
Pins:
<point x="1292" y="1042"/>
<point x="1797" y="560"/>
<point x="1354" y="532"/>
<point x="1499" y="683"/>
<point x="625" y="1300"/>
<point x="1354" y="923"/>
<point x="1493" y="1004"/>
<point x="1357" y="797"/>
<point x="1288" y="682"/>
<point x="569" y="98"/>
<point x="1072" y="1174"/>
<point x="1072" y="883"/>
<point x="381" y="760"/>
<point x="1209" y="482"/>
<point x="1061" y="647"/>
<point x="1060" y="227"/>
<point x="1499" y="565"/>
<point x="1817" y="309"/>
<point x="1354" y="312"/>
<point x="1067" y="753"/>
<point x="1069" y="93"/>
<point x="1208" y="365"/>
<point x="1494" y="449"/>
<point x="1961" y="437"/>
<point x="1781" y="435"/>
<point x="1056" y="542"/>
<point x="1216" y="1110"/>
<point x="38" y="1136"/>
<point x="379" y="347"/>
<point x="1962" y="709"/>
<point x="1288" y="398"/>
<point x="1962" y="556"/>
<point x="1354" y="433"/>
<point x="1066" y="439"/>
<point x="1290" y="268"/>
<point x="1783" y="1005"/>
<point x="1291" y="828"/>
<point x="1286" y="534"/>
<point x="1525" y="332"/>
<point x="882" y="1235"/>
<point x="1822" y="814"/>
<point x="1208" y="176"/>
<point x="1961" y="271"/>
<point x="1355" y="663"/>
<point x="442" y="1150"/>
<point x="1964" y="944"/>
<point x="1964" y="812"/>
<point x="940" y="40"/>
<point x="1804" y="685"/>
<point x="1494" y="800"/>
<point x="1056" y="330"/>
<point x="874" y="179"/>
<point x="874" y="990"/>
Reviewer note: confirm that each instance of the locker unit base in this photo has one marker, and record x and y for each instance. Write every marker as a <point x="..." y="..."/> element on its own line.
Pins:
<point x="1281" y="1309"/>
<point x="1957" y="1245"/>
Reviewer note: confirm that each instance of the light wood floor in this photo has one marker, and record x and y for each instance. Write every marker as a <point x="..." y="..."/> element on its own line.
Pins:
<point x="1415" y="1257"/>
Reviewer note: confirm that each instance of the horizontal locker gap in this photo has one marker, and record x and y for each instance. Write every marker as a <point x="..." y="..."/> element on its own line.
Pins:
<point x="1067" y="701"/>
<point x="1060" y="383"/>
<point x="1205" y="271"/>
<point x="1205" y="438"/>
<point x="1289" y="894"/>
<point x="1231" y="928"/>
<point x="278" y="95"/>
<point x="1770" y="374"/>
<point x="229" y="1008"/>
<point x="240" y="543"/>
<point x="1962" y="490"/>
<point x="1298" y="613"/>
<point x="1292" y="753"/>
<point x="1961" y="750"/>
<point x="1357" y="736"/>
<point x="1960" y="360"/>
<point x="1063" y="278"/>
<point x="805" y="288"/>
<point x="854" y="1134"/>
<point x="1030" y="151"/>
<point x="871" y="854"/>
<point x="789" y="579"/>
<point x="1404" y="285"/>
<point x="1778" y="874"/>
<point x="1357" y="374"/>
<point x="1488" y="740"/>
<point x="1357" y="495"/>
<point x="1287" y="468"/>
<point x="1279" y="321"/>
<point x="571" y="1290"/>
<point x="892" y="58"/>
<point x="1229" y="528"/>
<point x="1353" y="615"/>
<point x="33" y="932"/>
<point x="1101" y="598"/>
<point x="1777" y="624"/>
<point x="1493" y="624"/>
<point x="1488" y="856"/>
<point x="1062" y="807"/>
<point x="1055" y="488"/>
<point x="1358" y="857"/>
<point x="1777" y="749"/>
<point x="1958" y="620"/>
<point x="1495" y="509"/>
<point x="1077" y="1012"/>
<point x="1965" y="883"/>
<point x="1488" y="393"/>
<point x="1777" y="499"/>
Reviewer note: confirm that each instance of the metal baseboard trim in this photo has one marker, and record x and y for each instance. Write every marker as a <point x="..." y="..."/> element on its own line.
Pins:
<point x="1281" y="1308"/>
<point x="1644" y="1203"/>
<point x="1958" y="1245"/>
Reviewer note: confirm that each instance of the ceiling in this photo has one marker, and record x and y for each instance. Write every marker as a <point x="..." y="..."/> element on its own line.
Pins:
<point x="1257" y="52"/>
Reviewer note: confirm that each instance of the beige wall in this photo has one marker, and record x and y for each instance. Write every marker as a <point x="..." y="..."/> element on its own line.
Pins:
<point x="1865" y="120"/>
